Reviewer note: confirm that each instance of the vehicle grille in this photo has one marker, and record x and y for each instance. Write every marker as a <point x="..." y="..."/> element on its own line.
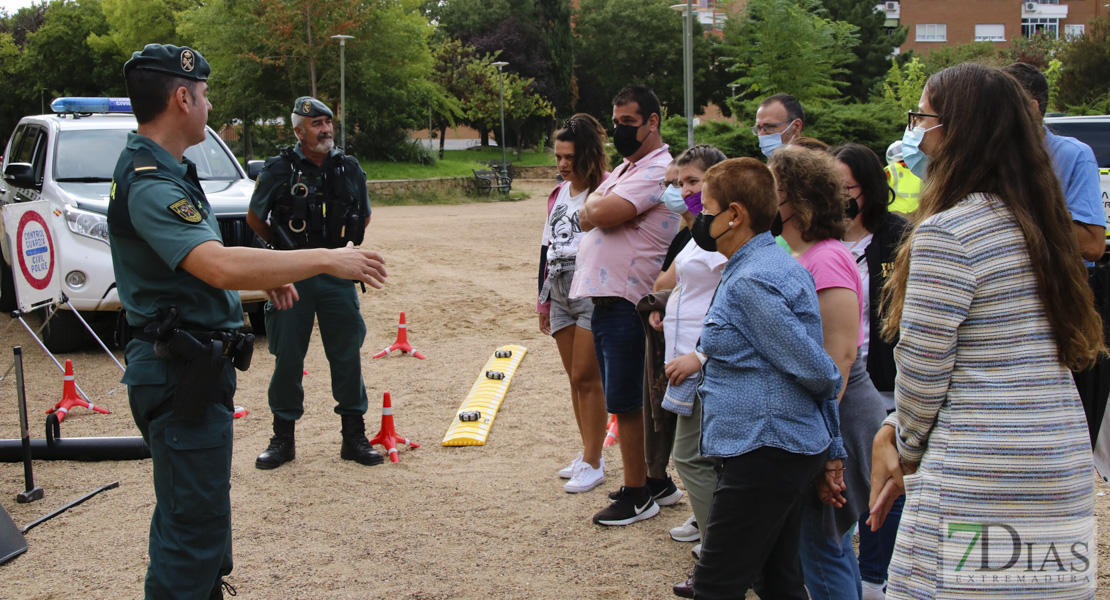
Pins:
<point x="236" y="232"/>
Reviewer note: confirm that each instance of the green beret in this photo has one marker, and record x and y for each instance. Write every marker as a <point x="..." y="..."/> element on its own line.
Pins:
<point x="178" y="61"/>
<point x="311" y="107"/>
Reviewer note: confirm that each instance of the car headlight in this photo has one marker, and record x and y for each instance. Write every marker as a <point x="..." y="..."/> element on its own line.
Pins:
<point x="86" y="223"/>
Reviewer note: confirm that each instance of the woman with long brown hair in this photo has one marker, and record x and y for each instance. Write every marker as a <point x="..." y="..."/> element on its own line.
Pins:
<point x="991" y="303"/>
<point x="580" y="157"/>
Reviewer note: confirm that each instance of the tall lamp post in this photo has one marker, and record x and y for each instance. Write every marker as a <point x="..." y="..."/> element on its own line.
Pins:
<point x="500" y="78"/>
<point x="732" y="108"/>
<point x="342" y="87"/>
<point x="687" y="11"/>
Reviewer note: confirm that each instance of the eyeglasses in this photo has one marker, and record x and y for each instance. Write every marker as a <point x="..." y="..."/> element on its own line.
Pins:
<point x="912" y="117"/>
<point x="766" y="128"/>
<point x="848" y="189"/>
<point x="663" y="185"/>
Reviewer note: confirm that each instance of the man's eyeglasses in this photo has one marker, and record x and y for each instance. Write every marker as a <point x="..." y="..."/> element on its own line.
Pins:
<point x="912" y="117"/>
<point x="766" y="128"/>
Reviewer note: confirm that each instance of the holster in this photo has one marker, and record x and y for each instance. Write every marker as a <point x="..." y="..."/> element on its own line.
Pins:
<point x="200" y="364"/>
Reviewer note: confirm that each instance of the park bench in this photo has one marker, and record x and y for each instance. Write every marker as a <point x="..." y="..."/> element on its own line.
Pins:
<point x="486" y="180"/>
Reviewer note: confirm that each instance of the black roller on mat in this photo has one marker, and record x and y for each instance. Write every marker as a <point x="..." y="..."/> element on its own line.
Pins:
<point x="83" y="449"/>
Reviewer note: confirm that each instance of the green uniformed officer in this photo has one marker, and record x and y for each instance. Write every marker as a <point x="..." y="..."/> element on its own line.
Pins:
<point x="314" y="196"/>
<point x="172" y="274"/>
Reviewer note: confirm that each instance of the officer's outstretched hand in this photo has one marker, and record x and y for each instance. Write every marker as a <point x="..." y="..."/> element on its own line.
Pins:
<point x="366" y="266"/>
<point x="284" y="296"/>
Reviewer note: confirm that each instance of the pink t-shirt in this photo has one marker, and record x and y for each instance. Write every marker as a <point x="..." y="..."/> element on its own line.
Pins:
<point x="624" y="260"/>
<point x="832" y="266"/>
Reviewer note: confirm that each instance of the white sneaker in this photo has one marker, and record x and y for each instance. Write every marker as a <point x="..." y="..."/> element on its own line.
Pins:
<point x="568" y="471"/>
<point x="874" y="591"/>
<point x="696" y="551"/>
<point x="585" y="478"/>
<point x="687" y="532"/>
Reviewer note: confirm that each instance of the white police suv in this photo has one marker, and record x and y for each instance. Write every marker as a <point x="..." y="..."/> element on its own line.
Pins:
<point x="68" y="158"/>
<point x="1095" y="132"/>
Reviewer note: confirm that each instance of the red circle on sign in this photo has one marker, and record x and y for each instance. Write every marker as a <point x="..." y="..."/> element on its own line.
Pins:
<point x="34" y="282"/>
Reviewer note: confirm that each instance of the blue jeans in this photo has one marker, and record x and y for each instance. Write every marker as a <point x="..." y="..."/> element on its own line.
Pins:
<point x="620" y="346"/>
<point x="876" y="548"/>
<point x="828" y="563"/>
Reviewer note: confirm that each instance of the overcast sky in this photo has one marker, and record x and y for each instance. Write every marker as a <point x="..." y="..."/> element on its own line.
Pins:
<point x="11" y="6"/>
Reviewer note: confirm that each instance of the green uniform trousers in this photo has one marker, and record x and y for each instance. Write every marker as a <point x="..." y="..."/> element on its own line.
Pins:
<point x="190" y="531"/>
<point x="334" y="303"/>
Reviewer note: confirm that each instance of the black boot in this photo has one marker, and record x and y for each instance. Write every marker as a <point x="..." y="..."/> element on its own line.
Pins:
<point x="355" y="445"/>
<point x="282" y="448"/>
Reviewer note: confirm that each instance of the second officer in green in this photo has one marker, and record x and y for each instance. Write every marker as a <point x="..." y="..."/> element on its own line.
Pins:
<point x="314" y="196"/>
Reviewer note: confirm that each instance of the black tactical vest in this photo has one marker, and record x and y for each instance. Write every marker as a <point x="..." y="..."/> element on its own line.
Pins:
<point x="315" y="208"/>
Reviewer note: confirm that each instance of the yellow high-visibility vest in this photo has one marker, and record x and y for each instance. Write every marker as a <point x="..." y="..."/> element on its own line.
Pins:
<point x="906" y="186"/>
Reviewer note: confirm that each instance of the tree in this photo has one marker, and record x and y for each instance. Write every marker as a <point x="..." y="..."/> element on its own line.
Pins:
<point x="904" y="84"/>
<point x="460" y="73"/>
<point x="58" y="59"/>
<point x="788" y="46"/>
<point x="1085" y="70"/>
<point x="136" y="23"/>
<point x="622" y="42"/>
<point x="276" y="50"/>
<point x="876" y="44"/>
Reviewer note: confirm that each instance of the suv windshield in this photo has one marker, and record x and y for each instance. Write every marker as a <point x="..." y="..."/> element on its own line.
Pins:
<point x="1094" y="134"/>
<point x="91" y="155"/>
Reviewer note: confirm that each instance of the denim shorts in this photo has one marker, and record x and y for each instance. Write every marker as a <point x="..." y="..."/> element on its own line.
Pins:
<point x="566" y="311"/>
<point x="620" y="346"/>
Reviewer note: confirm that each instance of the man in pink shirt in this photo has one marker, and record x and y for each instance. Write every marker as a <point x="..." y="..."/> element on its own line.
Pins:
<point x="628" y="231"/>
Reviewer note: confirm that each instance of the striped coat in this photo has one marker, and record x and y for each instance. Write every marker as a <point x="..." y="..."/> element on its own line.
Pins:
<point x="1003" y="503"/>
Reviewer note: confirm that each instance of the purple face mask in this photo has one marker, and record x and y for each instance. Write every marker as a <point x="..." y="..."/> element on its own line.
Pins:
<point x="693" y="203"/>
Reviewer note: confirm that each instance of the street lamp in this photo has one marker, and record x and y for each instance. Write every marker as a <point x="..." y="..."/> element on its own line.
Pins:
<point x="342" y="88"/>
<point x="687" y="11"/>
<point x="504" y="161"/>
<point x="732" y="108"/>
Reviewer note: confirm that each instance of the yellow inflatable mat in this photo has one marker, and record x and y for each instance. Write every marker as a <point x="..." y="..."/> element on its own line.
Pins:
<point x="475" y="416"/>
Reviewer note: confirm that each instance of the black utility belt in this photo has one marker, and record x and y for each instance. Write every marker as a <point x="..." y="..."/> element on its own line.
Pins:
<point x="200" y="358"/>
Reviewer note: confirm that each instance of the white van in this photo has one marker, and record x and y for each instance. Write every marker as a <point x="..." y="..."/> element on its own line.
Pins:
<point x="1095" y="132"/>
<point x="68" y="158"/>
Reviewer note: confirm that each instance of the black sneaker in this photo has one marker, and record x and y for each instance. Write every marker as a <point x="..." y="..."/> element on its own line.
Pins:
<point x="664" y="491"/>
<point x="627" y="509"/>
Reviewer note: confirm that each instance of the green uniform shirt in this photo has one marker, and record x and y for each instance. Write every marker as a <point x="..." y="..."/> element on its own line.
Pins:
<point x="157" y="214"/>
<point x="262" y="201"/>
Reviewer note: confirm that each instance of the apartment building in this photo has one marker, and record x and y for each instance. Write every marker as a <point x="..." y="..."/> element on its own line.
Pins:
<point x="935" y="23"/>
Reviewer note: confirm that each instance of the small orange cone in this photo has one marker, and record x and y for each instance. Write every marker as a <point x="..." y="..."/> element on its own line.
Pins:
<point x="402" y="342"/>
<point x="388" y="437"/>
<point x="70" y="397"/>
<point x="611" y="435"/>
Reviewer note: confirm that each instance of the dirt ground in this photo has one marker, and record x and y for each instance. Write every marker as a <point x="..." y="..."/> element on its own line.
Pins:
<point x="444" y="523"/>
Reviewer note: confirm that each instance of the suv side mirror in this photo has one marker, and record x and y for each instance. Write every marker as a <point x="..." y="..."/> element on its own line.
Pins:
<point x="20" y="175"/>
<point x="254" y="167"/>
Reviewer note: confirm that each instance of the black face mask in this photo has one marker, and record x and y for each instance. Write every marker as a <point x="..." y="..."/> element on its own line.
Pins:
<point x="776" y="225"/>
<point x="853" y="208"/>
<point x="624" y="139"/>
<point x="700" y="231"/>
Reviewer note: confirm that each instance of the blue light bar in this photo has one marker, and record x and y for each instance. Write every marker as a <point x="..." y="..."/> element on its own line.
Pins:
<point x="91" y="105"/>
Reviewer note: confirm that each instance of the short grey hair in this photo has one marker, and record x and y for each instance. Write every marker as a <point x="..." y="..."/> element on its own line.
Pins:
<point x="297" y="120"/>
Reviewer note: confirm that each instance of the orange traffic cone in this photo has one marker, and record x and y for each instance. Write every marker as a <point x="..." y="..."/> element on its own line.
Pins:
<point x="70" y="397"/>
<point x="611" y="435"/>
<point x="388" y="437"/>
<point x="402" y="342"/>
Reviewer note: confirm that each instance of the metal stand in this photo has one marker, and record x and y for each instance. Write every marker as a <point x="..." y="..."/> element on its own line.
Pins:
<point x="32" y="491"/>
<point x="17" y="315"/>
